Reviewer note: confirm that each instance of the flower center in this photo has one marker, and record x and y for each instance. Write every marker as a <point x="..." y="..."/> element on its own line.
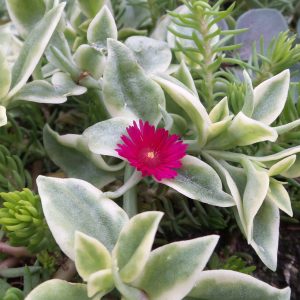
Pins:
<point x="151" y="154"/>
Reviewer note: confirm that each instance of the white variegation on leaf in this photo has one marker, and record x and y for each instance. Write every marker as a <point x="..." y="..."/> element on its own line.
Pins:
<point x="72" y="205"/>
<point x="254" y="194"/>
<point x="218" y="128"/>
<point x="282" y="165"/>
<point x="220" y="111"/>
<point x="5" y="75"/>
<point x="34" y="48"/>
<point x="101" y="28"/>
<point x="243" y="131"/>
<point x="133" y="247"/>
<point x="173" y="270"/>
<point x="128" y="91"/>
<point x="59" y="289"/>
<point x="199" y="181"/>
<point x="70" y="153"/>
<point x="184" y="75"/>
<point x="63" y="83"/>
<point x="189" y="102"/>
<point x="266" y="233"/>
<point x="294" y="170"/>
<point x="90" y="60"/>
<point x="279" y="195"/>
<point x="248" y="106"/>
<point x="154" y="56"/>
<point x="231" y="285"/>
<point x="3" y="117"/>
<point x="40" y="91"/>
<point x="100" y="283"/>
<point x="270" y="97"/>
<point x="103" y="137"/>
<point x="90" y="255"/>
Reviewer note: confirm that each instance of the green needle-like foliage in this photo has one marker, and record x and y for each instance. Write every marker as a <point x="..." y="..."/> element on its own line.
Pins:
<point x="23" y="221"/>
<point x="13" y="176"/>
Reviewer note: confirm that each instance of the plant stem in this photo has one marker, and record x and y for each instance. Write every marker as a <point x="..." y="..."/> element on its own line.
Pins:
<point x="130" y="197"/>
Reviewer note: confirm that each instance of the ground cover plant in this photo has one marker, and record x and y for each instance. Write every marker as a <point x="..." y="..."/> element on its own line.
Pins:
<point x="149" y="149"/>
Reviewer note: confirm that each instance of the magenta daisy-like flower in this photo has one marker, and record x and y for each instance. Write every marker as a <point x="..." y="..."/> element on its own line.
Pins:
<point x="152" y="151"/>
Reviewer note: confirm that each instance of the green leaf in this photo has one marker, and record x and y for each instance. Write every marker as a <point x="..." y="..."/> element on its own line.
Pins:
<point x="90" y="60"/>
<point x="40" y="91"/>
<point x="70" y="205"/>
<point x="101" y="28"/>
<point x="220" y="111"/>
<point x="103" y="137"/>
<point x="56" y="289"/>
<point x="183" y="75"/>
<point x="63" y="83"/>
<point x="279" y="195"/>
<point x="218" y="128"/>
<point x="189" y="102"/>
<point x="100" y="283"/>
<point x="90" y="255"/>
<point x="231" y="285"/>
<point x="294" y="170"/>
<point x="152" y="55"/>
<point x="25" y="16"/>
<point x="3" y="117"/>
<point x="282" y="165"/>
<point x="128" y="91"/>
<point x="248" y="107"/>
<point x="270" y="97"/>
<point x="91" y="7"/>
<point x="74" y="162"/>
<point x="266" y="233"/>
<point x="134" y="244"/>
<point x="243" y="131"/>
<point x="34" y="48"/>
<point x="172" y="270"/>
<point x="5" y="75"/>
<point x="198" y="181"/>
<point x="254" y="194"/>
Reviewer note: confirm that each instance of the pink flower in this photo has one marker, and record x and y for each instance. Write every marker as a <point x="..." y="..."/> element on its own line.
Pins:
<point x="152" y="151"/>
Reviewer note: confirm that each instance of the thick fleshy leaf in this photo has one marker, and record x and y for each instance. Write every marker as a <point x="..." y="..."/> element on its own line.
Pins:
<point x="3" y="117"/>
<point x="218" y="128"/>
<point x="40" y="91"/>
<point x="101" y="28"/>
<point x="90" y="60"/>
<point x="243" y="131"/>
<point x="220" y="111"/>
<point x="74" y="162"/>
<point x="25" y="17"/>
<point x="172" y="270"/>
<point x="184" y="75"/>
<point x="134" y="244"/>
<point x="294" y="170"/>
<point x="248" y="106"/>
<point x="103" y="137"/>
<point x="91" y="7"/>
<point x="189" y="102"/>
<point x="66" y="86"/>
<point x="154" y="56"/>
<point x="34" y="48"/>
<point x="70" y="205"/>
<point x="128" y="91"/>
<point x="282" y="165"/>
<point x="5" y="75"/>
<point x="231" y="285"/>
<point x="198" y="181"/>
<point x="90" y="255"/>
<point x="279" y="195"/>
<point x="254" y="194"/>
<point x="100" y="283"/>
<point x="54" y="289"/>
<point x="264" y="22"/>
<point x="270" y="97"/>
<point x="266" y="233"/>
